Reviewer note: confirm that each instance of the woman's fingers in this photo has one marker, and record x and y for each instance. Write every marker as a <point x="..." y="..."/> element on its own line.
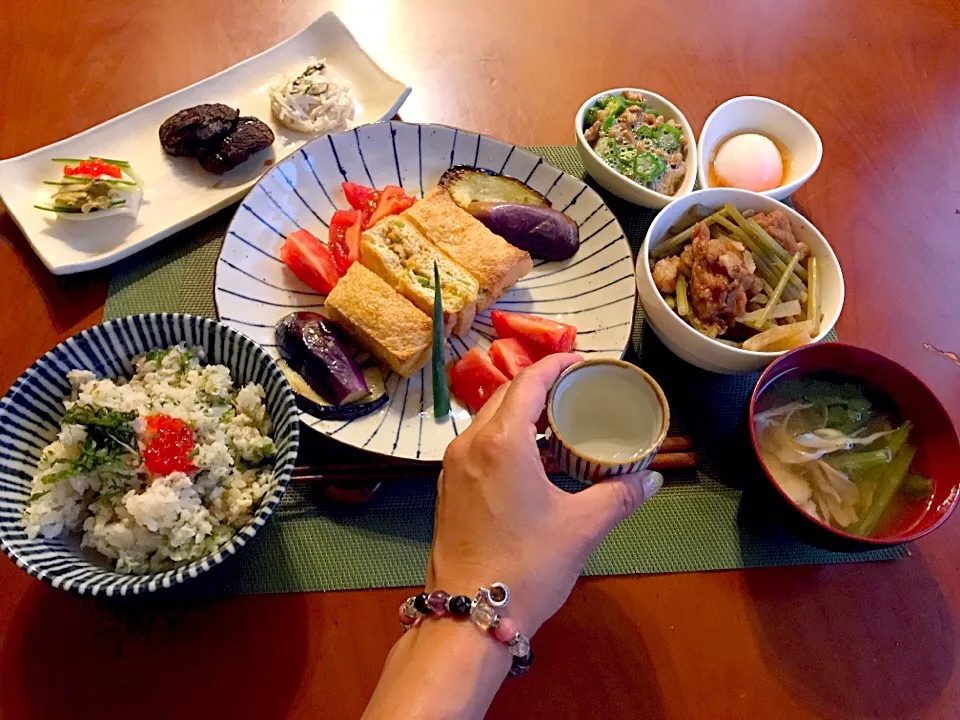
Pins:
<point x="602" y="505"/>
<point x="530" y="389"/>
<point x="488" y="410"/>
<point x="527" y="393"/>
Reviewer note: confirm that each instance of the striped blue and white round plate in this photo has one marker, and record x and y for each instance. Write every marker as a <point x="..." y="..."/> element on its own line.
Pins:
<point x="594" y="290"/>
<point x="30" y="415"/>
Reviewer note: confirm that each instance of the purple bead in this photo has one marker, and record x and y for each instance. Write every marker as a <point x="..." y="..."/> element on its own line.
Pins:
<point x="437" y="602"/>
<point x="460" y="605"/>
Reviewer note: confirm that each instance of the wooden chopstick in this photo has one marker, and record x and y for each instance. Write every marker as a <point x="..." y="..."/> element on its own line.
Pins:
<point x="675" y="461"/>
<point x="676" y="443"/>
<point x="675" y="454"/>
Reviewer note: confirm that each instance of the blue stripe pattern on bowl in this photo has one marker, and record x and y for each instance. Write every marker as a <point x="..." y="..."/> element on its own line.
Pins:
<point x="30" y="415"/>
<point x="588" y="471"/>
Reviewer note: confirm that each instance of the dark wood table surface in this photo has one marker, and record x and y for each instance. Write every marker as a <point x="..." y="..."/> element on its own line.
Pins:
<point x="880" y="79"/>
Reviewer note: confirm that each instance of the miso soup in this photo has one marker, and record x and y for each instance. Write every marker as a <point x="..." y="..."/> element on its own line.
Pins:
<point x="839" y="450"/>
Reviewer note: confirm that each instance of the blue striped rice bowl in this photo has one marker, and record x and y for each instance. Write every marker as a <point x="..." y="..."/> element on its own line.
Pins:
<point x="30" y="419"/>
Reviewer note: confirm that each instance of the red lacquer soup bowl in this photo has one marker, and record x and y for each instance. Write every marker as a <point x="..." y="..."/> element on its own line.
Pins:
<point x="933" y="434"/>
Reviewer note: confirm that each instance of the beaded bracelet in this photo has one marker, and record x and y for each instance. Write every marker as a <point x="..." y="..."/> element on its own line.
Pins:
<point x="482" y="610"/>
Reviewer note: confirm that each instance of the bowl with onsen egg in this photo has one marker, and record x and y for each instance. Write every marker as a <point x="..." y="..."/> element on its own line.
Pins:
<point x="755" y="143"/>
<point x="733" y="306"/>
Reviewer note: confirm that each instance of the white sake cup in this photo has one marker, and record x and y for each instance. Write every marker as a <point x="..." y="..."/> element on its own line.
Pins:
<point x="607" y="418"/>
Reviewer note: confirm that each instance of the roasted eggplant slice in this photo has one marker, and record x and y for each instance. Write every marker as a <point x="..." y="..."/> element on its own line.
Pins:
<point x="308" y="400"/>
<point x="312" y="347"/>
<point x="541" y="231"/>
<point x="469" y="184"/>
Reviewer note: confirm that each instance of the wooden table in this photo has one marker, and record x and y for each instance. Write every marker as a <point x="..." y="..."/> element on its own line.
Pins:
<point x="879" y="80"/>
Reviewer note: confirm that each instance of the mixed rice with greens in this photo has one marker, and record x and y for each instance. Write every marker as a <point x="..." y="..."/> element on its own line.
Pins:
<point x="158" y="470"/>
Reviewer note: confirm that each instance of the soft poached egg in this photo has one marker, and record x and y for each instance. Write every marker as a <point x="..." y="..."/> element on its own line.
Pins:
<point x="749" y="161"/>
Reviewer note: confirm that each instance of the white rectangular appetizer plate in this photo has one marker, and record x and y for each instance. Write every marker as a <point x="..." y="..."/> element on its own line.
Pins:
<point x="177" y="191"/>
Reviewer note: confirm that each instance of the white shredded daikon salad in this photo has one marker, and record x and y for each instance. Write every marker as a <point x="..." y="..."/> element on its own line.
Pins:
<point x="312" y="101"/>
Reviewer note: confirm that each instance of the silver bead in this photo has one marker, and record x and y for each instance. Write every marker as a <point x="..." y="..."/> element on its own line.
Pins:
<point x="497" y="595"/>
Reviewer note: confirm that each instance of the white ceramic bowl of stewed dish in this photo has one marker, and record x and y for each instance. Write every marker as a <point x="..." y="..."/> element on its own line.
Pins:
<point x="679" y="336"/>
<point x="622" y="186"/>
<point x="797" y="140"/>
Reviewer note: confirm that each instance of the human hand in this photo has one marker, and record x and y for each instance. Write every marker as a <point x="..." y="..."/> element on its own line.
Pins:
<point x="500" y="519"/>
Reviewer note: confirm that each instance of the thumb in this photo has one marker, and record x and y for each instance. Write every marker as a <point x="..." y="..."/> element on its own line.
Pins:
<point x="611" y="500"/>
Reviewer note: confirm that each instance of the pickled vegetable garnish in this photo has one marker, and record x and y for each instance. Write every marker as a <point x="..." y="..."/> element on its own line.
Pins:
<point x="92" y="185"/>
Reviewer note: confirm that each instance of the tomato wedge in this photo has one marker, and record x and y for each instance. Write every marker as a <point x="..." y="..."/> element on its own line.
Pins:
<point x="473" y="379"/>
<point x="540" y="336"/>
<point x="309" y="260"/>
<point x="352" y="238"/>
<point x="361" y="197"/>
<point x="510" y="356"/>
<point x="345" y="250"/>
<point x="393" y="201"/>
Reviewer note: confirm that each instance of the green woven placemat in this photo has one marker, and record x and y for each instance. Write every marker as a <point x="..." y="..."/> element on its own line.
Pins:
<point x="724" y="515"/>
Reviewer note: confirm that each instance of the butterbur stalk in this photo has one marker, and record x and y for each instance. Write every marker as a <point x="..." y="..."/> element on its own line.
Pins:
<point x="441" y="392"/>
<point x="887" y="478"/>
<point x="769" y="265"/>
<point x="917" y="487"/>
<point x="735" y="229"/>
<point x="778" y="291"/>
<point x="890" y="482"/>
<point x="676" y="242"/>
<point x="854" y="462"/>
<point x="683" y="306"/>
<point x="813" y="295"/>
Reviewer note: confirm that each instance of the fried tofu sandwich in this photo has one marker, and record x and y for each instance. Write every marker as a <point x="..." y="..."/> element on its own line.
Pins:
<point x="399" y="253"/>
<point x="381" y="321"/>
<point x="495" y="263"/>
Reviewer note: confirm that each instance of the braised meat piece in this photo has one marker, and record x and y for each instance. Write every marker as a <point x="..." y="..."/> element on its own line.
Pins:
<point x="666" y="271"/>
<point x="250" y="136"/>
<point x="777" y="225"/>
<point x="187" y="132"/>
<point x="721" y="279"/>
